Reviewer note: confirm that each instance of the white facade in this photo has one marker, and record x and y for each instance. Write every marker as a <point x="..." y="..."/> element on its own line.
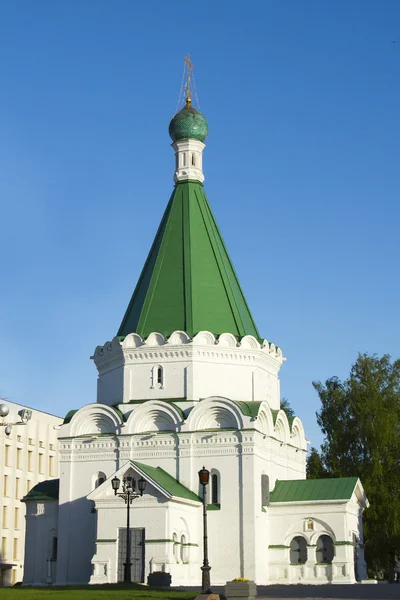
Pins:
<point x="30" y="455"/>
<point x="150" y="413"/>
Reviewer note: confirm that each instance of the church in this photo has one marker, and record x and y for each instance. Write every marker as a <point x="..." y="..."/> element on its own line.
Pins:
<point x="188" y="381"/>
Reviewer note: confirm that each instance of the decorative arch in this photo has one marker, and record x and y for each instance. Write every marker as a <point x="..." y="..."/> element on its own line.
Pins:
<point x="249" y="341"/>
<point x="215" y="412"/>
<point x="177" y="338"/>
<point x="154" y="415"/>
<point x="155" y="339"/>
<point x="282" y="429"/>
<point x="133" y="340"/>
<point x="325" y="549"/>
<point x="204" y="338"/>
<point x="265" y="421"/>
<point x="95" y="419"/>
<point x="298" y="436"/>
<point x="227" y="340"/>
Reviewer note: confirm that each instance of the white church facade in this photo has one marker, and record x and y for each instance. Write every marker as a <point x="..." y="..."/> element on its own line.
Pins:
<point x="188" y="381"/>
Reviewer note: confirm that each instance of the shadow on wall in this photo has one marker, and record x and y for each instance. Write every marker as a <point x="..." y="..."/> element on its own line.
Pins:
<point x="344" y="592"/>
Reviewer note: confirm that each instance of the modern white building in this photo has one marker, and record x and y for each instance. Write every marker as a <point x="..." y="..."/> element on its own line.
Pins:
<point x="189" y="381"/>
<point x="29" y="445"/>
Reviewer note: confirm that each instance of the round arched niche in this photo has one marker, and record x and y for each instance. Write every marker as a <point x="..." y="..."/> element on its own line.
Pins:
<point x="154" y="415"/>
<point x="95" y="419"/>
<point x="215" y="413"/>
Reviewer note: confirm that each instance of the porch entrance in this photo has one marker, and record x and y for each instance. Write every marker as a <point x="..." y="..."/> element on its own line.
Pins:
<point x="137" y="553"/>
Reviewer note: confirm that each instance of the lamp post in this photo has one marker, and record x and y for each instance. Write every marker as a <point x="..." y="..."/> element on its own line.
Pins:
<point x="204" y="478"/>
<point x="128" y="494"/>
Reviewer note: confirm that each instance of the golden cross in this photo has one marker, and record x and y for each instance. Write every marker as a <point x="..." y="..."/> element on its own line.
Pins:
<point x="189" y="67"/>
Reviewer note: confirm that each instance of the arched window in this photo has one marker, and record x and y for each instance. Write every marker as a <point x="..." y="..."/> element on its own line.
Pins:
<point x="298" y="550"/>
<point x="215" y="489"/>
<point x="184" y="550"/>
<point x="157" y="378"/>
<point x="325" y="550"/>
<point x="100" y="478"/>
<point x="176" y="547"/>
<point x="54" y="548"/>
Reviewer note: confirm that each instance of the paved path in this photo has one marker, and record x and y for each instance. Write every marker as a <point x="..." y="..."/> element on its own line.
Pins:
<point x="323" y="592"/>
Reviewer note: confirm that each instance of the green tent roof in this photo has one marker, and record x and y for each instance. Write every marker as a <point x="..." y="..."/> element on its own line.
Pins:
<point x="308" y="490"/>
<point x="46" y="490"/>
<point x="167" y="482"/>
<point x="188" y="282"/>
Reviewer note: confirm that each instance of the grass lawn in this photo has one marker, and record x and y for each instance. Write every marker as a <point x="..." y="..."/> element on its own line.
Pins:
<point x="93" y="592"/>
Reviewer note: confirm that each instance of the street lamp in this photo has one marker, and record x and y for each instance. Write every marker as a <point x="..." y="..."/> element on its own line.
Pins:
<point x="25" y="415"/>
<point x="204" y="478"/>
<point x="128" y="494"/>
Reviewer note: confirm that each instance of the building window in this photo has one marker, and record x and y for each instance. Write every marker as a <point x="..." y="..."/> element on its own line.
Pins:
<point x="4" y="517"/>
<point x="41" y="444"/>
<point x="100" y="478"/>
<point x="158" y="377"/>
<point x="4" y="548"/>
<point x="193" y="160"/>
<point x="176" y="547"/>
<point x="215" y="496"/>
<point x="54" y="544"/>
<point x="7" y="449"/>
<point x="16" y="518"/>
<point x="19" y="456"/>
<point x="17" y="487"/>
<point x="184" y="550"/>
<point x="30" y="441"/>
<point x="30" y="459"/>
<point x="15" y="549"/>
<point x="51" y="466"/>
<point x="325" y="550"/>
<point x="51" y="446"/>
<point x="28" y="486"/>
<point x="5" y="485"/>
<point x="40" y="463"/>
<point x="298" y="551"/>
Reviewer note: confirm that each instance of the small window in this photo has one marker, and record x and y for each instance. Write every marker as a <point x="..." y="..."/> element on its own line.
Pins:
<point x="16" y="518"/>
<point x="30" y="460"/>
<point x="184" y="553"/>
<point x="325" y="550"/>
<point x="7" y="455"/>
<point x="298" y="551"/>
<point x="4" y="517"/>
<point x="176" y="547"/>
<point x="157" y="377"/>
<point x="15" y="549"/>
<point x="54" y="548"/>
<point x="214" y="489"/>
<point x="100" y="478"/>
<point x="193" y="160"/>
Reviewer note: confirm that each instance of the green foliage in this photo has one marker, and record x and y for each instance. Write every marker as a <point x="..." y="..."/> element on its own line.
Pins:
<point x="285" y="405"/>
<point x="360" y="419"/>
<point x="315" y="468"/>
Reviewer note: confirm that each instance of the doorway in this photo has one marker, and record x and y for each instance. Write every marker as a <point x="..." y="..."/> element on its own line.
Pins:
<point x="137" y="553"/>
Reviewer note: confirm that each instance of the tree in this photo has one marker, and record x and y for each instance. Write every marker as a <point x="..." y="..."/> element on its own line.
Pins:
<point x="360" y="419"/>
<point x="315" y="468"/>
<point x="285" y="406"/>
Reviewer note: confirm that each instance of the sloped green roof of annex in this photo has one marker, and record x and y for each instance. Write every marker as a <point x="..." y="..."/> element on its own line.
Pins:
<point x="167" y="482"/>
<point x="45" y="490"/>
<point x="308" y="490"/>
<point x="188" y="282"/>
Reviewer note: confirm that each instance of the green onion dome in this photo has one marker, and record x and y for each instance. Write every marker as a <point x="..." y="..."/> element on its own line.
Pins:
<point x="188" y="123"/>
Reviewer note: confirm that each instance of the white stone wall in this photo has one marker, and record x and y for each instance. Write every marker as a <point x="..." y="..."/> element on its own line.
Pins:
<point x="192" y="369"/>
<point x="26" y="460"/>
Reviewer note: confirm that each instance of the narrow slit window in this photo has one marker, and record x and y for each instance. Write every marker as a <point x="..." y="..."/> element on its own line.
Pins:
<point x="193" y="160"/>
<point x="214" y="489"/>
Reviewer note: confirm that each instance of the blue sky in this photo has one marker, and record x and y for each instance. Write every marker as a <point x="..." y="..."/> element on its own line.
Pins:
<point x="301" y="165"/>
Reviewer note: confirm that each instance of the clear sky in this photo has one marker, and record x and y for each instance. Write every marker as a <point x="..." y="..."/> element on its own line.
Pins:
<point x="301" y="165"/>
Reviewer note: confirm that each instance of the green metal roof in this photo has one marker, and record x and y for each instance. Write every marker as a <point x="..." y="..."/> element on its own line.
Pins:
<point x="188" y="282"/>
<point x="167" y="482"/>
<point x="46" y="490"/>
<point x="249" y="409"/>
<point x="308" y="490"/>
